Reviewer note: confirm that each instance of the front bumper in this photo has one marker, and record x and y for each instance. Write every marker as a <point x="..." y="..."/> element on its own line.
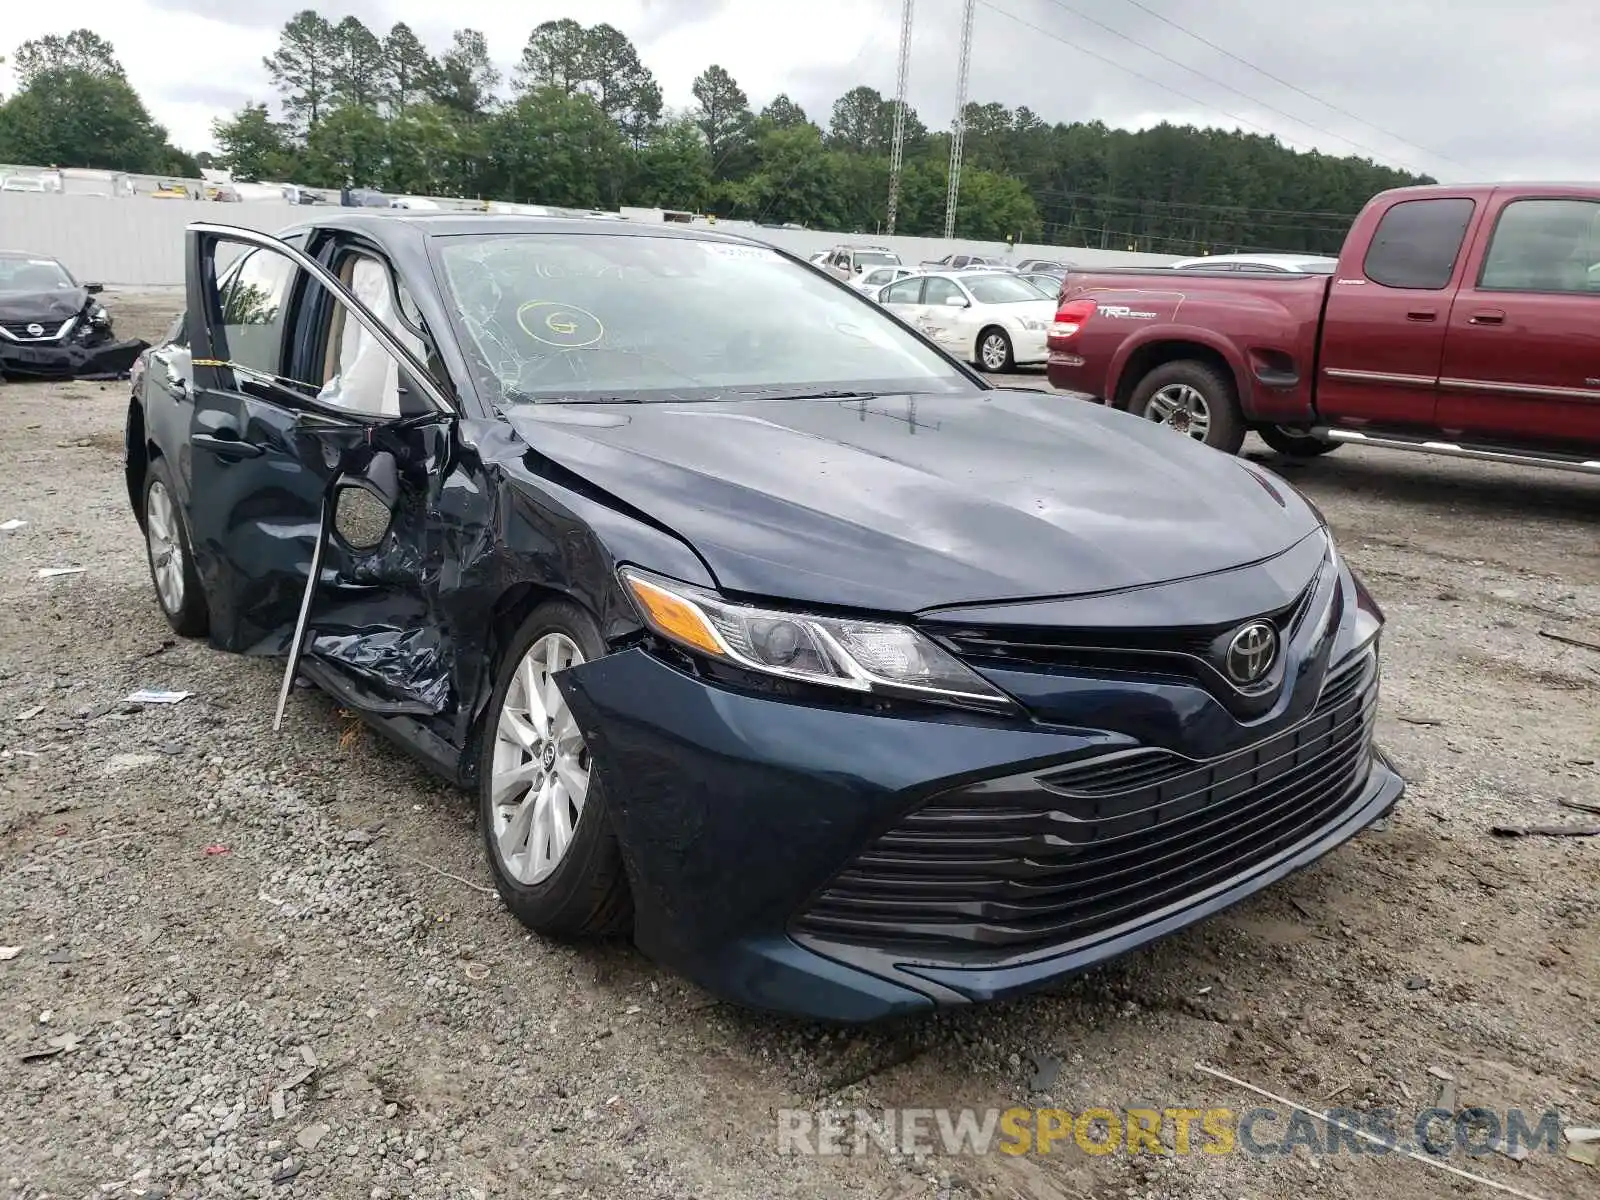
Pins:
<point x="747" y="820"/>
<point x="69" y="359"/>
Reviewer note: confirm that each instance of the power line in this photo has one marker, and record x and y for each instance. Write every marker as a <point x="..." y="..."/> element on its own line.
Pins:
<point x="1229" y="208"/>
<point x="1294" y="87"/>
<point x="1259" y="103"/>
<point x="1166" y="87"/>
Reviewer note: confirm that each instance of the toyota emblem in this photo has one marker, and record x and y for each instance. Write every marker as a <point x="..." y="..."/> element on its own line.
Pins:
<point x="35" y="330"/>
<point x="1251" y="651"/>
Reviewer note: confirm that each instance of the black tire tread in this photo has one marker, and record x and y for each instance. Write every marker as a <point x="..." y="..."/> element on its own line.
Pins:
<point x="1227" y="421"/>
<point x="1295" y="445"/>
<point x="194" y="619"/>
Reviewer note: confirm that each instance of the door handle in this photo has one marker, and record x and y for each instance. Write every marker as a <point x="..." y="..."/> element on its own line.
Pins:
<point x="230" y="447"/>
<point x="1421" y="314"/>
<point x="1488" y="316"/>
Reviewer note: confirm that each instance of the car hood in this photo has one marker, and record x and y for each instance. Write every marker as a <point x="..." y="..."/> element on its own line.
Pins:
<point x="44" y="307"/>
<point x="906" y="503"/>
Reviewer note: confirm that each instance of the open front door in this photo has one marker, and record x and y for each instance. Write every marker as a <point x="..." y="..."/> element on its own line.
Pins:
<point x="305" y="395"/>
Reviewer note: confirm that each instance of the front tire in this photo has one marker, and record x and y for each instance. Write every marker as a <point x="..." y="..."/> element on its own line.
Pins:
<point x="994" y="351"/>
<point x="1192" y="398"/>
<point x="170" y="554"/>
<point x="1295" y="444"/>
<point x="546" y="828"/>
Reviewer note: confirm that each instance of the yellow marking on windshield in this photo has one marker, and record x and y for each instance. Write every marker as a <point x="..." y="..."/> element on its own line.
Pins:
<point x="565" y="326"/>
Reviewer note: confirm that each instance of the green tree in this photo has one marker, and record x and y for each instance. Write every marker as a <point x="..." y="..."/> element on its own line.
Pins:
<point x="82" y="50"/>
<point x="784" y="113"/>
<point x="360" y="68"/>
<point x="723" y="114"/>
<point x="555" y="147"/>
<point x="622" y="85"/>
<point x="795" y="180"/>
<point x="673" y="169"/>
<point x="426" y="146"/>
<point x="409" y="70"/>
<point x="253" y="146"/>
<point x="467" y="78"/>
<point x="556" y="56"/>
<point x="349" y="146"/>
<point x="303" y="66"/>
<point x="69" y="117"/>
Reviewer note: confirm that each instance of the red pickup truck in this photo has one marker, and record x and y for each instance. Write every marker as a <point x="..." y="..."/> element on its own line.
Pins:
<point x="1460" y="320"/>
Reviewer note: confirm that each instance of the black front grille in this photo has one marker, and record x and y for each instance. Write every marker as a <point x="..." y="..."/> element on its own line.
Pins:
<point x="1189" y="652"/>
<point x="19" y="330"/>
<point x="1102" y="843"/>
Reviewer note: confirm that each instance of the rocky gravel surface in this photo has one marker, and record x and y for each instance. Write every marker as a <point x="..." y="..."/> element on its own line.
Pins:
<point x="235" y="963"/>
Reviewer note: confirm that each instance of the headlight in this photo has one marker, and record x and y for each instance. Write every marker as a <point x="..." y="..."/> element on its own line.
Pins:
<point x="98" y="315"/>
<point x="841" y="652"/>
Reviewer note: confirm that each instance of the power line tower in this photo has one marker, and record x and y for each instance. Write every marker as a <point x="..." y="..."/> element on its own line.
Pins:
<point x="959" y="129"/>
<point x="897" y="151"/>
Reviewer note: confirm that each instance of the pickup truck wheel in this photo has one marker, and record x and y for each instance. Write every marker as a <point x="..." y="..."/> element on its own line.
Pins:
<point x="1295" y="443"/>
<point x="1193" y="399"/>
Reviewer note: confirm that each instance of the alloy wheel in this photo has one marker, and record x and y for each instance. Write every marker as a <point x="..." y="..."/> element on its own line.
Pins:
<point x="166" y="547"/>
<point x="1181" y="408"/>
<point x="994" y="351"/>
<point x="539" y="778"/>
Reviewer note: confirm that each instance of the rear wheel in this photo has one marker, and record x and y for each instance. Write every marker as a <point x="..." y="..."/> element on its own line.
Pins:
<point x="1295" y="443"/>
<point x="555" y="859"/>
<point x="994" y="350"/>
<point x="171" y="556"/>
<point x="1192" y="398"/>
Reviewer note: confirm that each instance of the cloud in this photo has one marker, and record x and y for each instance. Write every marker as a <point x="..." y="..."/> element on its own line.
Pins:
<point x="1474" y="89"/>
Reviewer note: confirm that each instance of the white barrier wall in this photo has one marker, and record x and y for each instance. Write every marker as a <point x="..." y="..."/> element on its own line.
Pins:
<point x="139" y="242"/>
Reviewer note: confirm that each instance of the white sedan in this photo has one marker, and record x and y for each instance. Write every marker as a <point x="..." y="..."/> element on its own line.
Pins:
<point x="996" y="321"/>
<point x="875" y="279"/>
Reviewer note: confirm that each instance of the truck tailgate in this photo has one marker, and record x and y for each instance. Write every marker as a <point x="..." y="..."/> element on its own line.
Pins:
<point x="1114" y="326"/>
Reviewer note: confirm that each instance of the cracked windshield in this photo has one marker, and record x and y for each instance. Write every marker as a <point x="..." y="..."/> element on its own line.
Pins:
<point x="550" y="317"/>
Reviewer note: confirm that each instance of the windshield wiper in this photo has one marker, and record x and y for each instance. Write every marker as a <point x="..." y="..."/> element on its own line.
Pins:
<point x="828" y="395"/>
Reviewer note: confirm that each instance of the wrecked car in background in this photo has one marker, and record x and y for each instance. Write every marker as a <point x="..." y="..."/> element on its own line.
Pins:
<point x="52" y="327"/>
<point x="764" y="630"/>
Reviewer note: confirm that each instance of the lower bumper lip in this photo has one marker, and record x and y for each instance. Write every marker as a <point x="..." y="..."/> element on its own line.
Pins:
<point x="734" y="809"/>
<point x="69" y="359"/>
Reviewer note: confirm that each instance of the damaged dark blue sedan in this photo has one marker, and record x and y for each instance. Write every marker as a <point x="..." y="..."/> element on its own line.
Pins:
<point x="845" y="682"/>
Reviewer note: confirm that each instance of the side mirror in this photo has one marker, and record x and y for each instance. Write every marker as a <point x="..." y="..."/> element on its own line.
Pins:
<point x="955" y="302"/>
<point x="364" y="503"/>
<point x="94" y="289"/>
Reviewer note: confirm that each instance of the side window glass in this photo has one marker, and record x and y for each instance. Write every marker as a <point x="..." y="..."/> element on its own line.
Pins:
<point x="1544" y="246"/>
<point x="254" y="303"/>
<point x="358" y="373"/>
<point x="940" y="290"/>
<point x="904" y="292"/>
<point x="1416" y="243"/>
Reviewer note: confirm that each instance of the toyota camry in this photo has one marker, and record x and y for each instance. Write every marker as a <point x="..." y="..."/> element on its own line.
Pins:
<point x="765" y="631"/>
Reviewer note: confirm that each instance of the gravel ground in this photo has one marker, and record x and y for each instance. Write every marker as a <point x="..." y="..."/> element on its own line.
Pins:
<point x="264" y="964"/>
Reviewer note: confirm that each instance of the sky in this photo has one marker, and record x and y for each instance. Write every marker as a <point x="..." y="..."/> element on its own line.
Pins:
<point x="1458" y="89"/>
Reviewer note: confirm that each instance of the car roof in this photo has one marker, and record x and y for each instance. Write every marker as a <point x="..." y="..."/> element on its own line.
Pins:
<point x="382" y="224"/>
<point x="27" y="256"/>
